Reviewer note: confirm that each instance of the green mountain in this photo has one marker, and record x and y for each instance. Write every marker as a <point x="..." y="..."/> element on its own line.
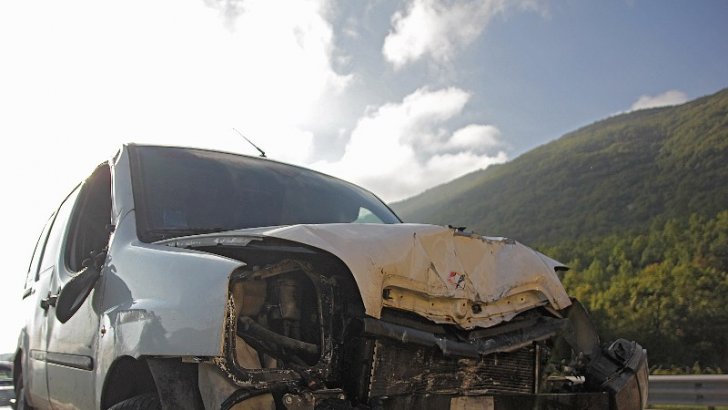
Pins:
<point x="616" y="175"/>
<point x="637" y="206"/>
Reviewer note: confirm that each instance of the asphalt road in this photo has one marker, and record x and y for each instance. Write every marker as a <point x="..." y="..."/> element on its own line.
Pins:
<point x="6" y="393"/>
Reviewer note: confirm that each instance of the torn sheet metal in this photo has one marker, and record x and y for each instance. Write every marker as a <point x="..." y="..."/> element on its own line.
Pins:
<point x="431" y="266"/>
<point x="437" y="272"/>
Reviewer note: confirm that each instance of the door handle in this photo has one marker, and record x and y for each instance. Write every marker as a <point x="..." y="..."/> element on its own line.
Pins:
<point x="49" y="301"/>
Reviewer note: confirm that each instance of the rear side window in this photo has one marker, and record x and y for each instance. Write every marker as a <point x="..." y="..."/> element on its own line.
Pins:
<point x="50" y="253"/>
<point x="38" y="254"/>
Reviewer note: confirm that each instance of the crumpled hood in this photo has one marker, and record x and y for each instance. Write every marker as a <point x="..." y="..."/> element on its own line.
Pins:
<point x="440" y="273"/>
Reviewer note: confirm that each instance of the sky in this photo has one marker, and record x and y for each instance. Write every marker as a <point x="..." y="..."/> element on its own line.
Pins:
<point x="396" y="96"/>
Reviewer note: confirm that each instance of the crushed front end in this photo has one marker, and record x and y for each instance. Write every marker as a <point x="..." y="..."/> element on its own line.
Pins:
<point x="458" y="322"/>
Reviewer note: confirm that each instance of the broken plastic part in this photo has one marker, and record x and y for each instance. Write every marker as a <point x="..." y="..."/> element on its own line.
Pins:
<point x="507" y="342"/>
<point x="621" y="370"/>
<point x="582" y="335"/>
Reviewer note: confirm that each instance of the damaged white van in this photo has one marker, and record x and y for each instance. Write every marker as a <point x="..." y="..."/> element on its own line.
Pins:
<point x="180" y="278"/>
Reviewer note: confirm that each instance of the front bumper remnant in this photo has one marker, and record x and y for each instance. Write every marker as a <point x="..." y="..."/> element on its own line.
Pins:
<point x="622" y="371"/>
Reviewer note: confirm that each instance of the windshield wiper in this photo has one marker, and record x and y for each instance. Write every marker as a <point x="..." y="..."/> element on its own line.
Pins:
<point x="167" y="233"/>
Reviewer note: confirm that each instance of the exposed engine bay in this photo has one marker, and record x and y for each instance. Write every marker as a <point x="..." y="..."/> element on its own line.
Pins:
<point x="298" y="337"/>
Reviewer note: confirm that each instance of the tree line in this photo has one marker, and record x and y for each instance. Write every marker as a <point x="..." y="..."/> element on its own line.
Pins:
<point x="666" y="288"/>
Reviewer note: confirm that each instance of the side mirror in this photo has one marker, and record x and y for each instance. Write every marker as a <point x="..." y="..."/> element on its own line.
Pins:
<point x="75" y="292"/>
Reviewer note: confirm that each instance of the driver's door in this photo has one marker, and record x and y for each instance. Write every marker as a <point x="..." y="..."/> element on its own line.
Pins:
<point x="72" y="341"/>
<point x="35" y="305"/>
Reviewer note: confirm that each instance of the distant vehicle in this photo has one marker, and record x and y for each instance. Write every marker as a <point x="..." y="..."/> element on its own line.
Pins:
<point x="182" y="278"/>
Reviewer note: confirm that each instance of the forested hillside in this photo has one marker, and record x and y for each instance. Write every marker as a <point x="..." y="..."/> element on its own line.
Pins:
<point x="615" y="175"/>
<point x="637" y="206"/>
<point x="666" y="288"/>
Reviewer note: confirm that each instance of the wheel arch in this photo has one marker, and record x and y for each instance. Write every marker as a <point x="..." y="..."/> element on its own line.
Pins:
<point x="17" y="368"/>
<point x="127" y="377"/>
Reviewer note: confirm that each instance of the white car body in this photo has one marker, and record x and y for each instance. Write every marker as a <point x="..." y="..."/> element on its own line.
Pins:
<point x="293" y="315"/>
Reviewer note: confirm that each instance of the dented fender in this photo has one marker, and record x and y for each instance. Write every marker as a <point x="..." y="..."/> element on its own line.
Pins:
<point x="160" y="300"/>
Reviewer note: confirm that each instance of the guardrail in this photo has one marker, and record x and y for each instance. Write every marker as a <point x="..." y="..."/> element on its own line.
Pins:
<point x="6" y="394"/>
<point x="698" y="390"/>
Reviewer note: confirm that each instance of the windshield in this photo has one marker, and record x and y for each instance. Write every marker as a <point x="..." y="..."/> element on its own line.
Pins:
<point x="180" y="191"/>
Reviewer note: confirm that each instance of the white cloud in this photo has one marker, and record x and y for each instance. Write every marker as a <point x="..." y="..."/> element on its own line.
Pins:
<point x="671" y="97"/>
<point x="79" y="77"/>
<point x="440" y="28"/>
<point x="400" y="149"/>
<point x="478" y="138"/>
<point x="166" y="71"/>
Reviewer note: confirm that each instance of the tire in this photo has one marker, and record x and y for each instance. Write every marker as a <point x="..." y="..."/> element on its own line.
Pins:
<point x="21" y="403"/>
<point x="148" y="401"/>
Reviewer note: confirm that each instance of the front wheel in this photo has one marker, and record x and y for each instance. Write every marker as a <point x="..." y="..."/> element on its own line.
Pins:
<point x="21" y="403"/>
<point x="148" y="401"/>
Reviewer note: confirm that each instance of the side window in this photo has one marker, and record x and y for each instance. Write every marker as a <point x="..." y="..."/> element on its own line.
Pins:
<point x="367" y="217"/>
<point x="88" y="233"/>
<point x="50" y="251"/>
<point x="37" y="254"/>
